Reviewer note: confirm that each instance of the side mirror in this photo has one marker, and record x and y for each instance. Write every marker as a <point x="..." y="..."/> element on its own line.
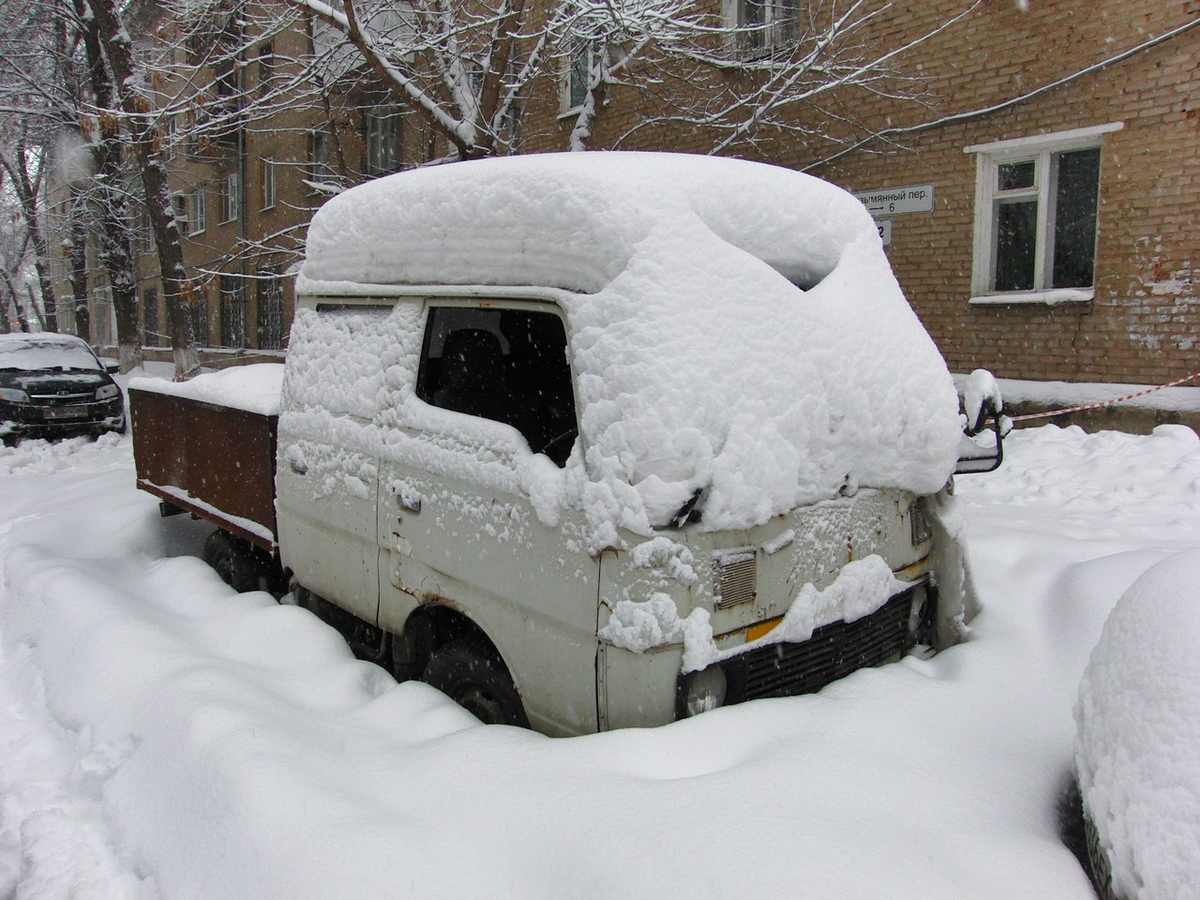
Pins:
<point x="984" y="412"/>
<point x="112" y="368"/>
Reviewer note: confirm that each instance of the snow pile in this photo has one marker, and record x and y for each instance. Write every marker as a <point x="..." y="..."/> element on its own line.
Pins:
<point x="735" y="327"/>
<point x="252" y="388"/>
<point x="162" y="737"/>
<point x="1138" y="751"/>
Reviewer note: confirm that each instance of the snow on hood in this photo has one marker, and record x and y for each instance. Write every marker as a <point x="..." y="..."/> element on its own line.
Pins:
<point x="701" y="364"/>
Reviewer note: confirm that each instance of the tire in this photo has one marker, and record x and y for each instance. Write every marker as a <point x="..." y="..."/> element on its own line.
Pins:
<point x="1099" y="869"/>
<point x="473" y="676"/>
<point x="241" y="566"/>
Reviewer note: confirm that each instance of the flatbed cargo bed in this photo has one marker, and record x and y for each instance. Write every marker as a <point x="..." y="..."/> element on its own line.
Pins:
<point x="215" y="462"/>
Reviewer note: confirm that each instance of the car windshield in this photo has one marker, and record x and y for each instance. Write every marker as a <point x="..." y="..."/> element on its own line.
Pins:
<point x="36" y="355"/>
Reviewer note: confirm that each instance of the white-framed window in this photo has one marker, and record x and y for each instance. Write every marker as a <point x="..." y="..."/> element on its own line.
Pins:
<point x="578" y="68"/>
<point x="231" y="197"/>
<point x="320" y="158"/>
<point x="197" y="213"/>
<point x="266" y="183"/>
<point x="170" y="136"/>
<point x="383" y="140"/>
<point x="179" y="208"/>
<point x="763" y="26"/>
<point x="1037" y="217"/>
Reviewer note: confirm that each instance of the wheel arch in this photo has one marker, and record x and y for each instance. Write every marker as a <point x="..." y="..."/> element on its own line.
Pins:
<point x="431" y="626"/>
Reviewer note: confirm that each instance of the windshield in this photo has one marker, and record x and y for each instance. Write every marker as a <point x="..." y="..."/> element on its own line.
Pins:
<point x="34" y="355"/>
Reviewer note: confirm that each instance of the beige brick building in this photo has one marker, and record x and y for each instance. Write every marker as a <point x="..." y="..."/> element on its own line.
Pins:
<point x="1039" y="205"/>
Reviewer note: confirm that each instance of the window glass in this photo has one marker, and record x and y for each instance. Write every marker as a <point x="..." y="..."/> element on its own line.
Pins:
<point x="1076" y="198"/>
<point x="1014" y="176"/>
<point x="1016" y="243"/>
<point x="231" y="198"/>
<point x="383" y="141"/>
<point x="503" y="364"/>
<point x="270" y="309"/>
<point x="233" y="312"/>
<point x="266" y="179"/>
<point x="579" y="75"/>
<point x="198" y="319"/>
<point x="767" y="24"/>
<point x="197" y="216"/>
<point x="151" y="337"/>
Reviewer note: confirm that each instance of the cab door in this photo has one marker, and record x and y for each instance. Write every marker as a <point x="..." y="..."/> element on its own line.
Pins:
<point x="327" y="467"/>
<point x="470" y="511"/>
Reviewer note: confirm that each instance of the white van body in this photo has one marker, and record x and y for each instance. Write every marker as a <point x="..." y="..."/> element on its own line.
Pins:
<point x="653" y="432"/>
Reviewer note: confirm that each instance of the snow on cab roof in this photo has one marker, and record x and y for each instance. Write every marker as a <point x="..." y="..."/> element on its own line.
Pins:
<point x="735" y="327"/>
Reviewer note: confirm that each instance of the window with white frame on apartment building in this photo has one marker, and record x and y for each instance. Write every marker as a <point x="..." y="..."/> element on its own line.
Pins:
<point x="578" y="69"/>
<point x="383" y="140"/>
<point x="320" y="160"/>
<point x="231" y="197"/>
<point x="197" y="212"/>
<point x="762" y="26"/>
<point x="266" y="183"/>
<point x="1037" y="216"/>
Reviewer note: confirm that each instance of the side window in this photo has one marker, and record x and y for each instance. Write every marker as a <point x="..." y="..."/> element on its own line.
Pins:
<point x="509" y="365"/>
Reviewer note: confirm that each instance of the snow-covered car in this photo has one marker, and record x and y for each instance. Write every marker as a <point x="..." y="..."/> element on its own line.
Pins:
<point x="53" y="385"/>
<point x="591" y="441"/>
<point x="1137" y="752"/>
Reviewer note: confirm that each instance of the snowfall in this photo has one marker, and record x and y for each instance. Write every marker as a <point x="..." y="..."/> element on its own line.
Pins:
<point x="164" y="737"/>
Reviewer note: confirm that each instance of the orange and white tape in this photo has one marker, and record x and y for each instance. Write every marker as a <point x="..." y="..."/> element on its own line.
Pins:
<point x="1061" y="412"/>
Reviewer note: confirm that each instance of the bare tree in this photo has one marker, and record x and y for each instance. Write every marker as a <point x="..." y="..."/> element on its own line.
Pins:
<point x="461" y="67"/>
<point x="144" y="141"/>
<point x="734" y="73"/>
<point x="25" y="166"/>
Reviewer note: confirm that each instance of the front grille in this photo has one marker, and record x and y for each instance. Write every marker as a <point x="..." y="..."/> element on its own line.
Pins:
<point x="833" y="651"/>
<point x="62" y="399"/>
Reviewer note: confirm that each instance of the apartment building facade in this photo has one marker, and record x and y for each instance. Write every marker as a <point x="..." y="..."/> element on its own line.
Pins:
<point x="1038" y="199"/>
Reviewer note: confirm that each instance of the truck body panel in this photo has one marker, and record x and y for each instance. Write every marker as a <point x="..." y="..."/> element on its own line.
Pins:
<point x="215" y="462"/>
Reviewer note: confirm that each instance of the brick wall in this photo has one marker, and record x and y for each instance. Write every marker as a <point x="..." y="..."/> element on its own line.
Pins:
<point x="1143" y="324"/>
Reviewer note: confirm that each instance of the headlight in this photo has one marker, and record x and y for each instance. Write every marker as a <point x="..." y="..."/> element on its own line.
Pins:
<point x="107" y="391"/>
<point x="12" y="395"/>
<point x="703" y="690"/>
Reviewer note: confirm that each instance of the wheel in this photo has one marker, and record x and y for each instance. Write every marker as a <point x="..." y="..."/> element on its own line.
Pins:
<point x="241" y="566"/>
<point x="473" y="676"/>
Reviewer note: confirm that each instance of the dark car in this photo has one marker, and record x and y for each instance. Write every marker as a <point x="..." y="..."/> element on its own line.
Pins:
<point x="53" y="385"/>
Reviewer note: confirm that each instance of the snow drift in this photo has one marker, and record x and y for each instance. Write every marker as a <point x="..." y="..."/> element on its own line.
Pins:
<point x="1138" y="750"/>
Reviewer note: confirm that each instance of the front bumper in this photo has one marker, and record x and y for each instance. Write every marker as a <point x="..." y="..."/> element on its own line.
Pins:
<point x="19" y="420"/>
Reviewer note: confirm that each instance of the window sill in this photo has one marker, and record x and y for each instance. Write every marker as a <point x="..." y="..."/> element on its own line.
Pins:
<point x="1045" y="298"/>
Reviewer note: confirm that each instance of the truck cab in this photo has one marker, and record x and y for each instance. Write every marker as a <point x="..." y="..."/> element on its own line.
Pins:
<point x="593" y="441"/>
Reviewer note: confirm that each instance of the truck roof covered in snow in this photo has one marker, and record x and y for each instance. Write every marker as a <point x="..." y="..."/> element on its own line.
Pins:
<point x="735" y="327"/>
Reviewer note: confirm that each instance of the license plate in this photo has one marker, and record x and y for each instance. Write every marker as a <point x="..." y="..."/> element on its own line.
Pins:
<point x="64" y="412"/>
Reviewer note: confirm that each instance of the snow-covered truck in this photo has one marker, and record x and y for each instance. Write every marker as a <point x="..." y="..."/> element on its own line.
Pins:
<point x="590" y="441"/>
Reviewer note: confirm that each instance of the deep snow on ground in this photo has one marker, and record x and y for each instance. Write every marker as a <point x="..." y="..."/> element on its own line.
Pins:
<point x="161" y="736"/>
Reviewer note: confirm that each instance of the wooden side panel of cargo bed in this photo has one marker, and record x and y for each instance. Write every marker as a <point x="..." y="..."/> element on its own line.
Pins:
<point x="220" y="456"/>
